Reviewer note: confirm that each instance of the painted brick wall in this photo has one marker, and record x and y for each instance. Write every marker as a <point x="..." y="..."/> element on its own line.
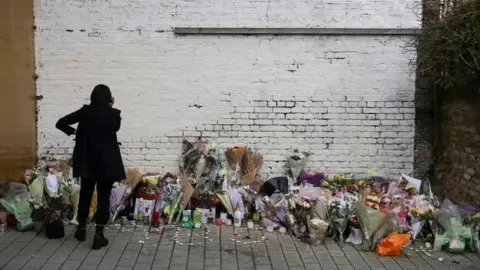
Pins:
<point x="349" y="100"/>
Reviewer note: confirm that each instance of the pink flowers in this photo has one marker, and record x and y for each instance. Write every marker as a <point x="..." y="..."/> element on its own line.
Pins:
<point x="303" y="203"/>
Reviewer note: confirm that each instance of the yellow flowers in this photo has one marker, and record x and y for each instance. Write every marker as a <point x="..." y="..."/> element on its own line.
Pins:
<point x="93" y="204"/>
<point x="361" y="183"/>
<point x="416" y="211"/>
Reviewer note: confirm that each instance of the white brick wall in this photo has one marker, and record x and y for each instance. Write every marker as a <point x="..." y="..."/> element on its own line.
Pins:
<point x="349" y="100"/>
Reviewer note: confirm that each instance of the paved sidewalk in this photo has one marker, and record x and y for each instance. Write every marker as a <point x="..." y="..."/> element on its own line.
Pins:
<point x="200" y="249"/>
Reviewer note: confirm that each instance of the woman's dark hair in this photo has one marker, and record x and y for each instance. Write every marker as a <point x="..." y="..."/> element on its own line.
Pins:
<point x="101" y="95"/>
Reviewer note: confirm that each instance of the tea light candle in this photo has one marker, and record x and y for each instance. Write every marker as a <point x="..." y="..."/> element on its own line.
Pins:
<point x="228" y="222"/>
<point x="270" y="229"/>
<point x="282" y="230"/>
<point x="250" y="224"/>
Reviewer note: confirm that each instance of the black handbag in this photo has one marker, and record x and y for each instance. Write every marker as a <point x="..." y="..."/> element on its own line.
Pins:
<point x="54" y="228"/>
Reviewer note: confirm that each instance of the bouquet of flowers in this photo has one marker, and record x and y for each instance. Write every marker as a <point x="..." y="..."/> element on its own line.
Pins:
<point x="53" y="190"/>
<point x="192" y="152"/>
<point x="16" y="202"/>
<point x="275" y="211"/>
<point x="313" y="178"/>
<point x="35" y="185"/>
<point x="119" y="195"/>
<point x="171" y="193"/>
<point x="234" y="157"/>
<point x="421" y="211"/>
<point x="406" y="186"/>
<point x="317" y="229"/>
<point x="297" y="162"/>
<point x="251" y="164"/>
<point x="339" y="212"/>
<point x="338" y="182"/>
<point x="456" y="234"/>
<point x="399" y="213"/>
<point x="371" y="220"/>
<point x="225" y="200"/>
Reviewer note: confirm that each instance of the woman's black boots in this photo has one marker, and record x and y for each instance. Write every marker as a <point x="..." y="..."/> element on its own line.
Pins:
<point x="99" y="240"/>
<point x="81" y="232"/>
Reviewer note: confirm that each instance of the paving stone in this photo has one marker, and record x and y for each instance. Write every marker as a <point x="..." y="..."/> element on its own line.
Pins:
<point x="28" y="251"/>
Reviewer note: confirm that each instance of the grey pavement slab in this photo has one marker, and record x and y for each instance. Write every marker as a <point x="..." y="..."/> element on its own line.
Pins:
<point x="213" y="248"/>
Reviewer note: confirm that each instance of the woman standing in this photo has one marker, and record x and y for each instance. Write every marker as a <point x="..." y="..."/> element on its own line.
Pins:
<point x="96" y="158"/>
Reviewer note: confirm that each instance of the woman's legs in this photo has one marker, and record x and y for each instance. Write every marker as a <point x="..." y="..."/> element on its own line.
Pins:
<point x="104" y="189"/>
<point x="87" y="187"/>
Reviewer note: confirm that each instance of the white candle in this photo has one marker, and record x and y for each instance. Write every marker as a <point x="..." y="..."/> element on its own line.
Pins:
<point x="228" y="222"/>
<point x="250" y="224"/>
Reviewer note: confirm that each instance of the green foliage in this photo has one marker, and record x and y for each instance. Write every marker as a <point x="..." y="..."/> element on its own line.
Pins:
<point x="449" y="49"/>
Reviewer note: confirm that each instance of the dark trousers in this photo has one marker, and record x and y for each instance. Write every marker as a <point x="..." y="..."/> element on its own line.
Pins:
<point x="87" y="187"/>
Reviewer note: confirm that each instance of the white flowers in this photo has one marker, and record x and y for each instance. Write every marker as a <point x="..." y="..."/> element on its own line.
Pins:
<point x="374" y="199"/>
<point x="318" y="222"/>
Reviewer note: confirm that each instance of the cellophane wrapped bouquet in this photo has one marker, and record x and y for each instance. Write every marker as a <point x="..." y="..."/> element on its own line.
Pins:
<point x="372" y="221"/>
<point x="339" y="213"/>
<point x="456" y="235"/>
<point x="398" y="213"/>
<point x="297" y="162"/>
<point x="421" y="211"/>
<point x="317" y="229"/>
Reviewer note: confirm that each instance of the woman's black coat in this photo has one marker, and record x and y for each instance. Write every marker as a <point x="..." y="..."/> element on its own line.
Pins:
<point x="97" y="153"/>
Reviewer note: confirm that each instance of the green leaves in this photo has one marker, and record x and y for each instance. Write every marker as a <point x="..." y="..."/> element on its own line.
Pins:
<point x="449" y="49"/>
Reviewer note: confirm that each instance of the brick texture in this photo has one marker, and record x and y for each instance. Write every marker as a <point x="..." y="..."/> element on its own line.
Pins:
<point x="457" y="168"/>
<point x="349" y="100"/>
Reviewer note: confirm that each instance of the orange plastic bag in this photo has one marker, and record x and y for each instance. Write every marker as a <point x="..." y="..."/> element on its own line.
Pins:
<point x="392" y="244"/>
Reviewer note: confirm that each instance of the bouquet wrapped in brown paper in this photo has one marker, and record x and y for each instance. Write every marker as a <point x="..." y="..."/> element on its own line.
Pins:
<point x="133" y="178"/>
<point x="186" y="192"/>
<point x="251" y="164"/>
<point x="235" y="155"/>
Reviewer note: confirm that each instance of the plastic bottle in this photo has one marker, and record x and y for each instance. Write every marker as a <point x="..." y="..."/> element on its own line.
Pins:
<point x="237" y="217"/>
<point x="140" y="214"/>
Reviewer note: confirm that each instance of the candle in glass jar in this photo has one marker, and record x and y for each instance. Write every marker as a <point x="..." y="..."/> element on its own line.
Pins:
<point x="250" y="224"/>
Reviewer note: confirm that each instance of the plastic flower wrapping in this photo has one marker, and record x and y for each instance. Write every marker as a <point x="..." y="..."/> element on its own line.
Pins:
<point x="421" y="212"/>
<point x="371" y="221"/>
<point x="17" y="203"/>
<point x="35" y="183"/>
<point x="297" y="163"/>
<point x="339" y="213"/>
<point x="456" y="235"/>
<point x="317" y="229"/>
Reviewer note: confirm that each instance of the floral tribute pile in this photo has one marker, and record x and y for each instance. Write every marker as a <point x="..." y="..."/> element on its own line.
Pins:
<point x="228" y="189"/>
